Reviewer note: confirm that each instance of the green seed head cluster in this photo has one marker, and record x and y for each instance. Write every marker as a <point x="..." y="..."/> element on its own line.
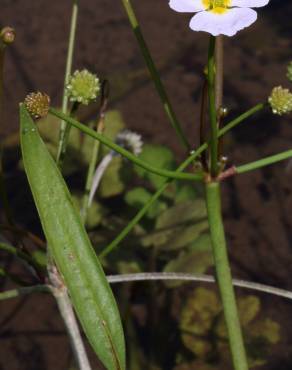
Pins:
<point x="83" y="87"/>
<point x="37" y="104"/>
<point x="289" y="71"/>
<point x="280" y="100"/>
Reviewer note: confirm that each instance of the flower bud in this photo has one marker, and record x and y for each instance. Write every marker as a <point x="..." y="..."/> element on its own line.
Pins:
<point x="7" y="35"/>
<point x="280" y="100"/>
<point x="83" y="87"/>
<point x="37" y="104"/>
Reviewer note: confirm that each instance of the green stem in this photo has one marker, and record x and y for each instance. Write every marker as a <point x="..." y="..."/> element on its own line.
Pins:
<point x="224" y="278"/>
<point x="121" y="236"/>
<point x="63" y="131"/>
<point x="219" y="60"/>
<point x="14" y="293"/>
<point x="7" y="36"/>
<point x="264" y="162"/>
<point x="125" y="153"/>
<point x="21" y="255"/>
<point x="212" y="107"/>
<point x="154" y="73"/>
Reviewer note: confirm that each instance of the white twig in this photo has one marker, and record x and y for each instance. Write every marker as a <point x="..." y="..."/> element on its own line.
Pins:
<point x="103" y="165"/>
<point x="60" y="293"/>
<point x="196" y="277"/>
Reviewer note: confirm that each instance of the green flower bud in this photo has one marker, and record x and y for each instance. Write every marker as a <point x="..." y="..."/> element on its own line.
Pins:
<point x="7" y="35"/>
<point x="280" y="100"/>
<point x="37" y="104"/>
<point x="289" y="71"/>
<point x="83" y="87"/>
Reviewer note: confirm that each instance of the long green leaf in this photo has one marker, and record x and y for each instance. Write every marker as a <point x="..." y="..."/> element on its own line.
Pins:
<point x="75" y="258"/>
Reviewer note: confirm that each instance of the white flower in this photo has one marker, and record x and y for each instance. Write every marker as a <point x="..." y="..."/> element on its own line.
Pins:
<point x="130" y="141"/>
<point x="219" y="17"/>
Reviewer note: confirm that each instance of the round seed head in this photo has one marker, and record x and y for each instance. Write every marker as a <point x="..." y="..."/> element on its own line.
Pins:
<point x="280" y="100"/>
<point x="83" y="87"/>
<point x="37" y="104"/>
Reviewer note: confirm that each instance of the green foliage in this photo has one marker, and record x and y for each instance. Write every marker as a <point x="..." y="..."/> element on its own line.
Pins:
<point x="139" y="196"/>
<point x="158" y="156"/>
<point x="71" y="249"/>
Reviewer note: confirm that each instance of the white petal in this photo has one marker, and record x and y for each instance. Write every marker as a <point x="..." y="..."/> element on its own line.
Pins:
<point x="187" y="6"/>
<point x="228" y="23"/>
<point x="249" y="3"/>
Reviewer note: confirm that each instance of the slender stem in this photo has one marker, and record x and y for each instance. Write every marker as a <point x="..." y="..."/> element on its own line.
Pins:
<point x="7" y="36"/>
<point x="14" y="293"/>
<point x="60" y="293"/>
<point x="264" y="162"/>
<point x="241" y="118"/>
<point x="204" y="100"/>
<point x="219" y="60"/>
<point x="156" y="276"/>
<point x="125" y="153"/>
<point x="154" y="73"/>
<point x="121" y="236"/>
<point x="71" y="44"/>
<point x="212" y="107"/>
<point x="21" y="255"/>
<point x="224" y="278"/>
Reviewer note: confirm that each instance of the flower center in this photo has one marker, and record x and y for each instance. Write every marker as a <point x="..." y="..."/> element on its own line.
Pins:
<point x="217" y="6"/>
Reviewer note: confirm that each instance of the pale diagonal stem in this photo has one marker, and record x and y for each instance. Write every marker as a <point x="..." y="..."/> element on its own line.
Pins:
<point x="59" y="291"/>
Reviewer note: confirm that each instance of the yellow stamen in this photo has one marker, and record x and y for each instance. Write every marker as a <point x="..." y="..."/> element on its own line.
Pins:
<point x="217" y="6"/>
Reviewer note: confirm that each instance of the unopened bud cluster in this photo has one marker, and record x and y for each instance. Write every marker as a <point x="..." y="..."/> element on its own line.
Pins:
<point x="83" y="87"/>
<point x="37" y="104"/>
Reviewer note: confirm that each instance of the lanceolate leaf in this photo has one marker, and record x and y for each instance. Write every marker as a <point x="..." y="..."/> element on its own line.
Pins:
<point x="75" y="258"/>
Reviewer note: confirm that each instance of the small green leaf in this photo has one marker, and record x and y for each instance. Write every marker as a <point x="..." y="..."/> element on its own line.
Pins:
<point x="75" y="258"/>
<point x="185" y="193"/>
<point x="193" y="261"/>
<point x="95" y="212"/>
<point x="139" y="196"/>
<point x="112" y="183"/>
<point x="158" y="156"/>
<point x="182" y="212"/>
